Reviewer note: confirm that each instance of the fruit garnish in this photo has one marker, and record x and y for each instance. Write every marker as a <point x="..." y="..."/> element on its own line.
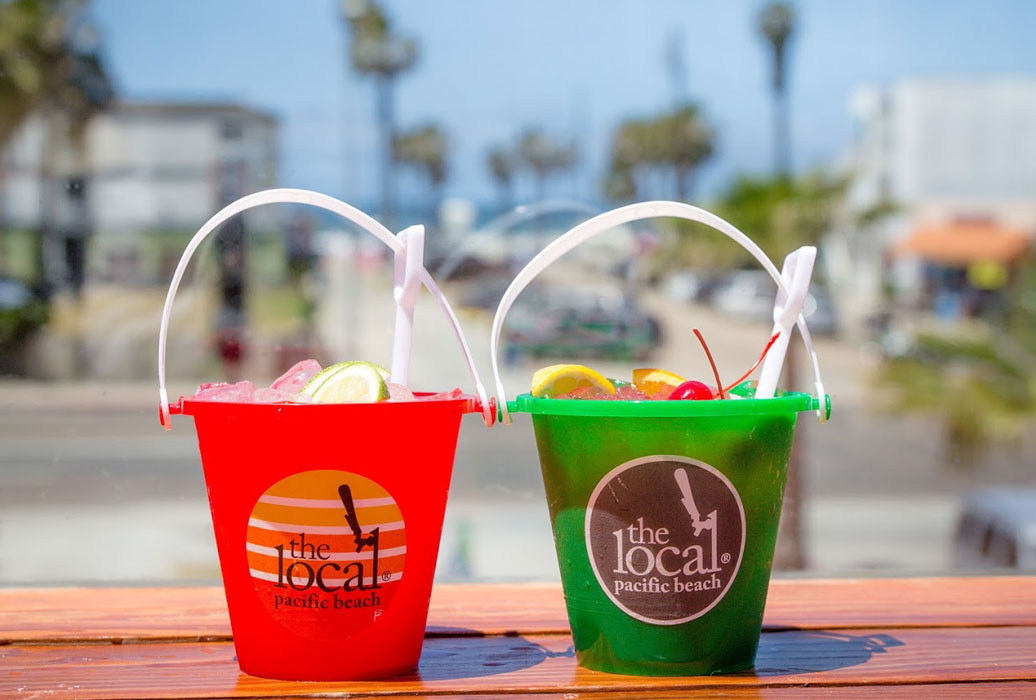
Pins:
<point x="349" y="382"/>
<point x="653" y="381"/>
<point x="758" y="362"/>
<point x="692" y="390"/>
<point x="708" y="354"/>
<point x="555" y="380"/>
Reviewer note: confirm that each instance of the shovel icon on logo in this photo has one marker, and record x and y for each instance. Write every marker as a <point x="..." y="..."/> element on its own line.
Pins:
<point x="709" y="523"/>
<point x="346" y="494"/>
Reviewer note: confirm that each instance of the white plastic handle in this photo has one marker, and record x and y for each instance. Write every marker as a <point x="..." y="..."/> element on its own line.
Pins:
<point x="409" y="274"/>
<point x="616" y="217"/>
<point x="406" y="286"/>
<point x="796" y="273"/>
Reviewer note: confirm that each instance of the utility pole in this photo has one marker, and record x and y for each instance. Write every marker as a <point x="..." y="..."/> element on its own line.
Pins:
<point x="230" y="247"/>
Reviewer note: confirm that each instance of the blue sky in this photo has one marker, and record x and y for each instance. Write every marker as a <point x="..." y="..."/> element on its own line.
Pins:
<point x="488" y="69"/>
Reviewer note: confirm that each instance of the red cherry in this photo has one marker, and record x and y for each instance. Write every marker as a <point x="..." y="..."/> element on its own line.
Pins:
<point x="692" y="390"/>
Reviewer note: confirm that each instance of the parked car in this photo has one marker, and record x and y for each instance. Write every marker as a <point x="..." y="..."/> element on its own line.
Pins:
<point x="749" y="294"/>
<point x="746" y="294"/>
<point x="997" y="529"/>
<point x="570" y="322"/>
<point x="692" y="285"/>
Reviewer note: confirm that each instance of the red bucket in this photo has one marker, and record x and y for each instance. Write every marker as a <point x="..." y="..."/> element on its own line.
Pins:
<point x="328" y="516"/>
<point x="328" y="529"/>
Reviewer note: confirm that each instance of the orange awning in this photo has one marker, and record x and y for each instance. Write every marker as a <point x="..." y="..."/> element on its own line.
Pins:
<point x="962" y="242"/>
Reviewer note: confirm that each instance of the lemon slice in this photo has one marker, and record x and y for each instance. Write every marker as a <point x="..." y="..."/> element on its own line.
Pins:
<point x="651" y="381"/>
<point x="349" y="382"/>
<point x="561" y="379"/>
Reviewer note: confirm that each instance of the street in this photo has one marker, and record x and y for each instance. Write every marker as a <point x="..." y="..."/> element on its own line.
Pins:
<point x="92" y="489"/>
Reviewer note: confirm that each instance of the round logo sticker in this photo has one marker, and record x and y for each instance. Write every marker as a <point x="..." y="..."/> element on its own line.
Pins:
<point x="326" y="550"/>
<point x="665" y="536"/>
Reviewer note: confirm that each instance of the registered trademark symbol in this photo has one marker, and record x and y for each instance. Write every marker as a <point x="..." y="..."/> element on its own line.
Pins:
<point x="725" y="558"/>
<point x="388" y="574"/>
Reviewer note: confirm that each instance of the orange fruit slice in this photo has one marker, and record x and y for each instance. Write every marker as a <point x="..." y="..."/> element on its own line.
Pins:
<point x="562" y="379"/>
<point x="651" y="380"/>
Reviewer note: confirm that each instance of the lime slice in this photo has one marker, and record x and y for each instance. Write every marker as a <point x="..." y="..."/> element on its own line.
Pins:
<point x="561" y="379"/>
<point x="323" y="375"/>
<point x="348" y="382"/>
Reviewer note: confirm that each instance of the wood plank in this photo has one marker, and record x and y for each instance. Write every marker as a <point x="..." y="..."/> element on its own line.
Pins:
<point x="533" y="664"/>
<point x="954" y="601"/>
<point x="944" y="691"/>
<point x="124" y="614"/>
<point x="112" y="614"/>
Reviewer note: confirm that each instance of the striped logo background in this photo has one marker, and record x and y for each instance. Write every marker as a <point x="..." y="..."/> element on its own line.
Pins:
<point x="307" y="508"/>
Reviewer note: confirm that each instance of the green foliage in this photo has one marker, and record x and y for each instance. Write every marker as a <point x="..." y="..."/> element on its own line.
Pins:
<point x="673" y="144"/>
<point x="44" y="64"/>
<point x="17" y="324"/>
<point x="373" y="48"/>
<point x="501" y="165"/>
<point x="425" y="148"/>
<point x="20" y="23"/>
<point x="978" y="378"/>
<point x="18" y="255"/>
<point x="545" y="155"/>
<point x="618" y="185"/>
<point x="780" y="214"/>
<point x="776" y="24"/>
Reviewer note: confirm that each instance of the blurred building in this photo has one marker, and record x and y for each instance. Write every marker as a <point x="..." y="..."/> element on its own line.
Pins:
<point x="948" y="148"/>
<point x="144" y="169"/>
<point x="943" y="177"/>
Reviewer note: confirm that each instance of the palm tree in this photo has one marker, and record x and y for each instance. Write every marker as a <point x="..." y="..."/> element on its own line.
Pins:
<point x="782" y="214"/>
<point x="776" y="24"/>
<point x="375" y="51"/>
<point x="634" y="151"/>
<point x="501" y="166"/>
<point x="545" y="156"/>
<point x="20" y="81"/>
<point x="691" y="143"/>
<point x="669" y="147"/>
<point x="49" y="64"/>
<point x="618" y="184"/>
<point x="424" y="148"/>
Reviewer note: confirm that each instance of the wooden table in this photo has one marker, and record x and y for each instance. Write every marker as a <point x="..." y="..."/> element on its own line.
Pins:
<point x="917" y="638"/>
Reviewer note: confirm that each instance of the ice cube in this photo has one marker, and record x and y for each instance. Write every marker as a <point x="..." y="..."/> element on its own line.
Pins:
<point x="242" y="392"/>
<point x="295" y="378"/>
<point x="278" y="396"/>
<point x="399" y="392"/>
<point x="628" y="392"/>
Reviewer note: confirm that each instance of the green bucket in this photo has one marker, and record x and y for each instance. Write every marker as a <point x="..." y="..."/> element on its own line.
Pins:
<point x="664" y="513"/>
<point x="665" y="517"/>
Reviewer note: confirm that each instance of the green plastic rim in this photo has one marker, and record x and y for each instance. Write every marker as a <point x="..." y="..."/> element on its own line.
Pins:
<point x="788" y="402"/>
